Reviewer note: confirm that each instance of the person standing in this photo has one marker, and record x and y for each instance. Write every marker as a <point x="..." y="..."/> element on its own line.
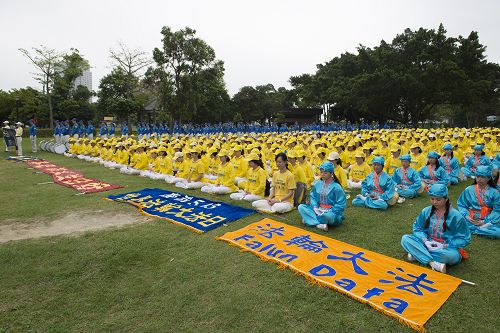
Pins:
<point x="6" y="129"/>
<point x="33" y="136"/>
<point x="19" y="138"/>
<point x="90" y="130"/>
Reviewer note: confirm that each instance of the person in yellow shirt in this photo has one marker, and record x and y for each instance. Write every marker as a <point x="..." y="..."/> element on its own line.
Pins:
<point x="180" y="168"/>
<point x="255" y="185"/>
<point x="153" y="165"/>
<point x="418" y="160"/>
<point x="340" y="173"/>
<point x="129" y="168"/>
<point x="280" y="199"/>
<point x="19" y="138"/>
<point x="358" y="172"/>
<point x="306" y="166"/>
<point x="166" y="167"/>
<point x="195" y="178"/>
<point x="295" y="168"/>
<point x="393" y="162"/>
<point x="239" y="164"/>
<point x="225" y="177"/>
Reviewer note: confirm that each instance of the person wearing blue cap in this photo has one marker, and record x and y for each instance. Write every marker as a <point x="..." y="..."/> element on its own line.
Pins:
<point x="408" y="181"/>
<point x="479" y="204"/>
<point x="327" y="201"/>
<point x="33" y="135"/>
<point x="495" y="164"/>
<point x="433" y="173"/>
<point x="90" y="130"/>
<point x="479" y="158"/>
<point x="440" y="233"/>
<point x="450" y="164"/>
<point x="378" y="190"/>
<point x="103" y="131"/>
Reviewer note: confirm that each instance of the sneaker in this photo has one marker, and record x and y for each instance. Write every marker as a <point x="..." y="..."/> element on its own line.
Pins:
<point x="401" y="200"/>
<point x="437" y="266"/>
<point x="410" y="257"/>
<point x="322" y="227"/>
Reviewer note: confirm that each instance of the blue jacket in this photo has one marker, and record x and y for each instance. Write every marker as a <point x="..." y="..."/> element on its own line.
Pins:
<point x="438" y="174"/>
<point x="386" y="184"/>
<point x="332" y="195"/>
<point x="412" y="179"/>
<point x="457" y="234"/>
<point x="468" y="200"/>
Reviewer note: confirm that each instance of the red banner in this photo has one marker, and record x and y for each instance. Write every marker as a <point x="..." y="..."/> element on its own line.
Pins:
<point x="71" y="178"/>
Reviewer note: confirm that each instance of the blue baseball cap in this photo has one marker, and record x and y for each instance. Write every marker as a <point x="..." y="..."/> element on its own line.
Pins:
<point x="448" y="146"/>
<point x="327" y="166"/>
<point x="432" y="154"/>
<point x="438" y="190"/>
<point x="379" y="160"/>
<point x="405" y="157"/>
<point x="478" y="147"/>
<point x="483" y="171"/>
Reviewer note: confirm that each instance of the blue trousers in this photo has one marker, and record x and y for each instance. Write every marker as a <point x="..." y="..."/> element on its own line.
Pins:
<point x="493" y="231"/>
<point x="407" y="193"/>
<point x="370" y="203"/>
<point x="311" y="219"/>
<point x="416" y="247"/>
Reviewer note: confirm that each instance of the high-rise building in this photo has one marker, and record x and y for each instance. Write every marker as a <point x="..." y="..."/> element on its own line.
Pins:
<point x="84" y="80"/>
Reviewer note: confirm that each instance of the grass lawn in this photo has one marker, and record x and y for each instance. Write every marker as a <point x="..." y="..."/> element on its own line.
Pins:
<point x="161" y="277"/>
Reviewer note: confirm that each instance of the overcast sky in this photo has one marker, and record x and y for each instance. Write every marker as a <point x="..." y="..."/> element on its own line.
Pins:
<point x="260" y="42"/>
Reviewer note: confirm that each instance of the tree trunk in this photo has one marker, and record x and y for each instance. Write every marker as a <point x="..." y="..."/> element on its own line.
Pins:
<point x="51" y="112"/>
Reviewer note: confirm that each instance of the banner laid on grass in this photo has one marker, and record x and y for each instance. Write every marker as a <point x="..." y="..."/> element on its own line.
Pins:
<point x="71" y="178"/>
<point x="195" y="213"/>
<point x="408" y="292"/>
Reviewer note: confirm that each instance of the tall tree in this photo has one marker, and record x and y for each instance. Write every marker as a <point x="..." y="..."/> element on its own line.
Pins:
<point x="178" y="63"/>
<point x="47" y="63"/>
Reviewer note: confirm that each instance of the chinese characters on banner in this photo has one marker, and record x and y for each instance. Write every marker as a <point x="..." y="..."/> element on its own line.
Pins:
<point x="192" y="212"/>
<point x="409" y="292"/>
<point x="71" y="178"/>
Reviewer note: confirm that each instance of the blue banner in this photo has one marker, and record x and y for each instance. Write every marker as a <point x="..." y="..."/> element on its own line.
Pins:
<point x="195" y="213"/>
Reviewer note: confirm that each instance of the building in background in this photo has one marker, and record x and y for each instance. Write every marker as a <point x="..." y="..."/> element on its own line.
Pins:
<point x="84" y="80"/>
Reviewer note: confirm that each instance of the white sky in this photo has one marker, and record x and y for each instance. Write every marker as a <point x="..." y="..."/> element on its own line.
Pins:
<point x="259" y="41"/>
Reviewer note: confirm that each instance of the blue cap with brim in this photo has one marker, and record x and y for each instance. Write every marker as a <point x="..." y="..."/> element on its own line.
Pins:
<point x="447" y="147"/>
<point x="405" y="157"/>
<point x="327" y="166"/>
<point x="483" y="171"/>
<point x="478" y="147"/>
<point x="432" y="154"/>
<point x="379" y="160"/>
<point x="438" y="190"/>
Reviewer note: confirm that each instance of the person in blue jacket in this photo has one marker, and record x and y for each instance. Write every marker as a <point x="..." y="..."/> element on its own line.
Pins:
<point x="74" y="129"/>
<point x="378" y="190"/>
<point x="103" y="131"/>
<point x="327" y="201"/>
<point x="33" y="136"/>
<point x="125" y="129"/>
<point x="90" y="130"/>
<point x="440" y="233"/>
<point x="433" y="173"/>
<point x="450" y="164"/>
<point x="66" y="132"/>
<point x="479" y="204"/>
<point x="407" y="180"/>
<point x="479" y="158"/>
<point x="82" y="130"/>
<point x="112" y="130"/>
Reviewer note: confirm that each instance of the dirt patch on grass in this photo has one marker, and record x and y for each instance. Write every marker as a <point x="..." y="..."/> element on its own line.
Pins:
<point x="73" y="223"/>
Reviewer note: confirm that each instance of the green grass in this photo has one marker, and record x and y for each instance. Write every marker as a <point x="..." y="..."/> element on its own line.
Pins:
<point x="162" y="277"/>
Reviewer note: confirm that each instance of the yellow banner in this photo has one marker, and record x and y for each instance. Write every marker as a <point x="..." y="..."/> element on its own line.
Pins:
<point x="408" y="292"/>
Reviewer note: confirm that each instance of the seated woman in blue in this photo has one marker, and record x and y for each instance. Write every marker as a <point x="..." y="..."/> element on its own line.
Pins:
<point x="377" y="189"/>
<point x="439" y="233"/>
<point x="479" y="204"/>
<point x="450" y="164"/>
<point x="407" y="180"/>
<point x="433" y="173"/>
<point x="327" y="201"/>
<point x="479" y="158"/>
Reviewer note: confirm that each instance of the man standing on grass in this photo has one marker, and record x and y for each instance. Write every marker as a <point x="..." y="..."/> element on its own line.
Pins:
<point x="6" y="129"/>
<point x="19" y="138"/>
<point x="33" y="136"/>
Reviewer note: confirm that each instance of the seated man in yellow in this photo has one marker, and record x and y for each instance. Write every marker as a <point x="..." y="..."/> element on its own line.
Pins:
<point x="358" y="171"/>
<point x="224" y="183"/>
<point x="195" y="177"/>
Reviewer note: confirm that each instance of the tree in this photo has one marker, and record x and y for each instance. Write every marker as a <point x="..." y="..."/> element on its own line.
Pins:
<point x="176" y="73"/>
<point x="47" y="64"/>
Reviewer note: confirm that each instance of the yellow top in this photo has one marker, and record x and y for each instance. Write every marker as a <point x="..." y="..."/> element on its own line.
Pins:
<point x="392" y="164"/>
<point x="196" y="168"/>
<point x="359" y="172"/>
<point x="298" y="173"/>
<point x="308" y="170"/>
<point x="225" y="176"/>
<point x="341" y="176"/>
<point x="19" y="131"/>
<point x="166" y="167"/>
<point x="240" y="166"/>
<point x="142" y="161"/>
<point x="418" y="162"/>
<point x="256" y="181"/>
<point x="283" y="182"/>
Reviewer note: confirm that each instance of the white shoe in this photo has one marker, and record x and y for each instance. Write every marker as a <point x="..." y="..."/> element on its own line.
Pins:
<point x="362" y="197"/>
<point x="401" y="200"/>
<point x="437" y="266"/>
<point x="323" y="227"/>
<point x="410" y="257"/>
